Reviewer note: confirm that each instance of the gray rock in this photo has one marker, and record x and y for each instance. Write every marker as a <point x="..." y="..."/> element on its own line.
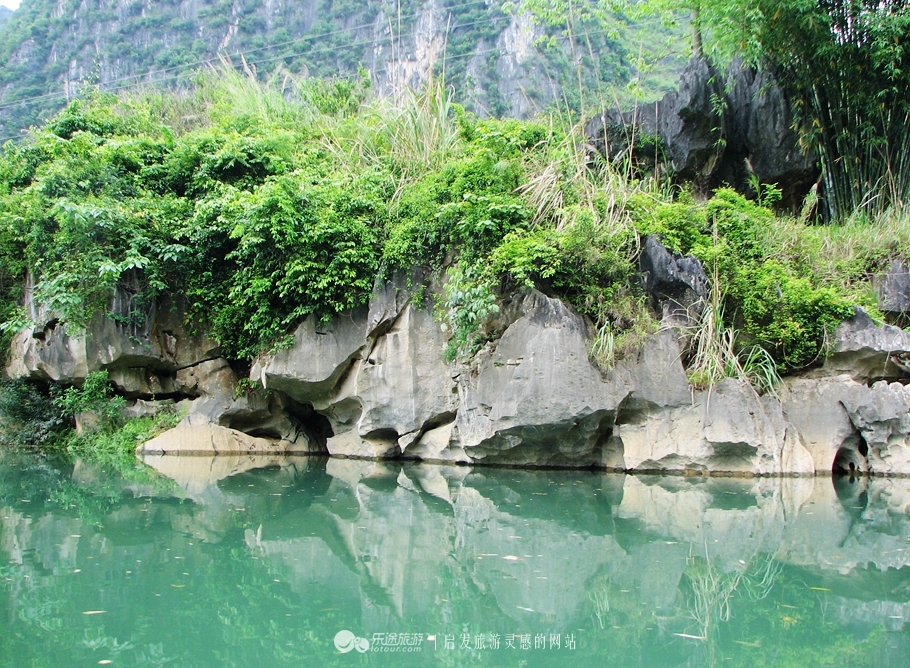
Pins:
<point x="312" y="369"/>
<point x="761" y="141"/>
<point x="377" y="376"/>
<point x="842" y="421"/>
<point x="867" y="351"/>
<point x="656" y="375"/>
<point x="141" y="356"/>
<point x="729" y="428"/>
<point x="714" y="130"/>
<point x="534" y="396"/>
<point x="678" y="286"/>
<point x="893" y="288"/>
<point x="143" y="408"/>
<point x="815" y="409"/>
<point x="683" y="128"/>
<point x="207" y="438"/>
<point x="404" y="383"/>
<point x="881" y="415"/>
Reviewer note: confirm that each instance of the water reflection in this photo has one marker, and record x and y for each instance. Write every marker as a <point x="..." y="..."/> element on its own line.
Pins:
<point x="239" y="560"/>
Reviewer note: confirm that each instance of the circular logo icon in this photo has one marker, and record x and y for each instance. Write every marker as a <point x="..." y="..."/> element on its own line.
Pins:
<point x="345" y="641"/>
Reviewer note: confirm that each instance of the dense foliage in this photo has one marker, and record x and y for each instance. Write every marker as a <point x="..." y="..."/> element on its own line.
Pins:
<point x="265" y="205"/>
<point x="844" y="66"/>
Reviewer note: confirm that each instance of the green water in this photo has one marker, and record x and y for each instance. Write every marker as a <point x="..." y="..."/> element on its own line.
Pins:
<point x="237" y="561"/>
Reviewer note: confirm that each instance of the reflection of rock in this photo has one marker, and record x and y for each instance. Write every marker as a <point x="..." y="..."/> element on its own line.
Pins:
<point x="799" y="520"/>
<point x="413" y="547"/>
<point x="54" y="539"/>
<point x="890" y="615"/>
<point x="197" y="475"/>
<point x="205" y="438"/>
<point x="512" y="559"/>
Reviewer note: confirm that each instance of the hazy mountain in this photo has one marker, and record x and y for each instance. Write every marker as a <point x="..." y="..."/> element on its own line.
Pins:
<point x="496" y="62"/>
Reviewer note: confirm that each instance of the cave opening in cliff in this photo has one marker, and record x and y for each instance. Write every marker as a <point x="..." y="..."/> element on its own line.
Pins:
<point x="850" y="460"/>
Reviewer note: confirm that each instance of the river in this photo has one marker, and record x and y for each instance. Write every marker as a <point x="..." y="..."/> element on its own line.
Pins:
<point x="294" y="561"/>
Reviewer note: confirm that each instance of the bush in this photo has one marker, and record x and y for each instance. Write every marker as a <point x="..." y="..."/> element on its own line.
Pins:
<point x="96" y="396"/>
<point x="29" y="416"/>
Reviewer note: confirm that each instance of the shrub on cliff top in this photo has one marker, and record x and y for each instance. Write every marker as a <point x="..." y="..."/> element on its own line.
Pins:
<point x="266" y="212"/>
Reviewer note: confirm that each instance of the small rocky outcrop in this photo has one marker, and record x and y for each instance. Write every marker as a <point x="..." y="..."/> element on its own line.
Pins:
<point x="677" y="286"/>
<point x="683" y="128"/>
<point x="146" y="355"/>
<point x="893" y="288"/>
<point x="717" y="128"/>
<point x="867" y="351"/>
<point x="853" y="414"/>
<point x="198" y="437"/>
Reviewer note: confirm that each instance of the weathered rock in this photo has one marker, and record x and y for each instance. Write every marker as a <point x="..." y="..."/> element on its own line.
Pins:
<point x="881" y="415"/>
<point x="141" y="352"/>
<point x="867" y="351"/>
<point x="534" y="397"/>
<point x="207" y="438"/>
<point x="677" y="285"/>
<point x="404" y="384"/>
<point x="714" y="130"/>
<point x="322" y="354"/>
<point x="211" y="378"/>
<point x="374" y="383"/>
<point x="815" y="409"/>
<point x="761" y="142"/>
<point x="684" y="128"/>
<point x="843" y="422"/>
<point x="143" y="408"/>
<point x="893" y="288"/>
<point x="728" y="428"/>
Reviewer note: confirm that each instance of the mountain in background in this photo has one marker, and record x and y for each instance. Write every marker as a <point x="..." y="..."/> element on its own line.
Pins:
<point x="498" y="64"/>
<point x="5" y="13"/>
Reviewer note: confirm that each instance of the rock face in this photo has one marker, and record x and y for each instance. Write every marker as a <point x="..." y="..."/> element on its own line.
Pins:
<point x="534" y="397"/>
<point x="149" y="356"/>
<point x="868" y="352"/>
<point x="714" y="130"/>
<point x="678" y="286"/>
<point x="497" y="72"/>
<point x="206" y="439"/>
<point x="893" y="288"/>
<point x="728" y="429"/>
<point x="374" y="383"/>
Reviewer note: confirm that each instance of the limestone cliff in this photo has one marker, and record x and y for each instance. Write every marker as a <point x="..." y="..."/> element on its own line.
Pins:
<point x="374" y="383"/>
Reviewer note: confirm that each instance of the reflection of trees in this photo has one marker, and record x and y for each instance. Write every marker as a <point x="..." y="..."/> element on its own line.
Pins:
<point x="711" y="591"/>
<point x="599" y="595"/>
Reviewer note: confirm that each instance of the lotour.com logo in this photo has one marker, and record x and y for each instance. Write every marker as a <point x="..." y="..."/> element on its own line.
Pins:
<point x="345" y="641"/>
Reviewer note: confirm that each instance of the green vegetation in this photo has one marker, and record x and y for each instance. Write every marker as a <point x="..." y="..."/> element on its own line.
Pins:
<point x="844" y="66"/>
<point x="266" y="203"/>
<point x="31" y="415"/>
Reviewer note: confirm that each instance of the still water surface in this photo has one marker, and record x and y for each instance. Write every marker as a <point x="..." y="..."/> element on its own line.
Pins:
<point x="242" y="561"/>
